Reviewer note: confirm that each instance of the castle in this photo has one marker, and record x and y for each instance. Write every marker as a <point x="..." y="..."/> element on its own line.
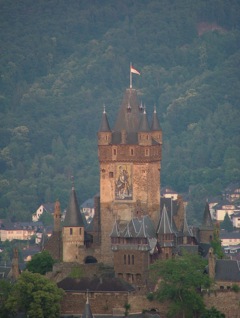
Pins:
<point x="131" y="227"/>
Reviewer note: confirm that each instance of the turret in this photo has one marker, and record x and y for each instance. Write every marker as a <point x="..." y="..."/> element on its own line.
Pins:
<point x="104" y="133"/>
<point x="156" y="128"/>
<point x="144" y="135"/>
<point x="73" y="231"/>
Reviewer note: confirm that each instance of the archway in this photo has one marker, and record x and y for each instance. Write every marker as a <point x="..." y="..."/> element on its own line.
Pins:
<point x="90" y="260"/>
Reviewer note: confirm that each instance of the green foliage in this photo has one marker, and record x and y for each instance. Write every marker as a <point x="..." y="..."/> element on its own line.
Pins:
<point x="212" y="313"/>
<point x="41" y="263"/>
<point x="46" y="218"/>
<point x="216" y="244"/>
<point x="5" y="290"/>
<point x="59" y="66"/>
<point x="179" y="281"/>
<point x="76" y="272"/>
<point x="235" y="288"/>
<point x="227" y="223"/>
<point x="35" y="296"/>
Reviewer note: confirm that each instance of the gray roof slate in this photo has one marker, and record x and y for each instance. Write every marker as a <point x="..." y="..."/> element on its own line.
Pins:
<point x="227" y="270"/>
<point x="73" y="215"/>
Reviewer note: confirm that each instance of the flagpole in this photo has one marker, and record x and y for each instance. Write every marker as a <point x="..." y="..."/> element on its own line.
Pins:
<point x="130" y="75"/>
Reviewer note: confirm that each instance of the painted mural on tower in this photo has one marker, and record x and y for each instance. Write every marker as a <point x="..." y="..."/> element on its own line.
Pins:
<point x="123" y="182"/>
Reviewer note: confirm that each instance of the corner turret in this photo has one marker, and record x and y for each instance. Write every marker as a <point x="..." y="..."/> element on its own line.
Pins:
<point x="156" y="128"/>
<point x="73" y="231"/>
<point x="104" y="133"/>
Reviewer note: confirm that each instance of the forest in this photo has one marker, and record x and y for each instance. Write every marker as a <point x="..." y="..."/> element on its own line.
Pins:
<point x="61" y="61"/>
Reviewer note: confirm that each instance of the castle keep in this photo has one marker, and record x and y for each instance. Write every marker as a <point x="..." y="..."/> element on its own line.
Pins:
<point x="131" y="227"/>
<point x="130" y="161"/>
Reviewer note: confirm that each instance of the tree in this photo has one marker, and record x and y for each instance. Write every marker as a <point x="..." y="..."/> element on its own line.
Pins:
<point x="179" y="281"/>
<point x="5" y="289"/>
<point x="35" y="296"/>
<point x="216" y="243"/>
<point x="41" y="263"/>
<point x="212" y="313"/>
<point x="227" y="223"/>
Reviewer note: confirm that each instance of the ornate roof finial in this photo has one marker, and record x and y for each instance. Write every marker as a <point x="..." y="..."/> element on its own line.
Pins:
<point x="155" y="109"/>
<point x="144" y="109"/>
<point x="104" y="109"/>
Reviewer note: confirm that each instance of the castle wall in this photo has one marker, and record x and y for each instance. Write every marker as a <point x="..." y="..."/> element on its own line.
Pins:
<point x="132" y="265"/>
<point x="226" y="301"/>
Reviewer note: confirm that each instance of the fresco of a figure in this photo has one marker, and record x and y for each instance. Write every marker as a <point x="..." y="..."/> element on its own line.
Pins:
<point x="123" y="182"/>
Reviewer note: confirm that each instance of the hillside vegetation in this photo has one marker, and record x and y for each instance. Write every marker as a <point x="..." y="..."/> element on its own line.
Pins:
<point x="62" y="60"/>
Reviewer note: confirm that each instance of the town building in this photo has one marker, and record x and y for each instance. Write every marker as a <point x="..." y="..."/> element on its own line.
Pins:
<point x="46" y="207"/>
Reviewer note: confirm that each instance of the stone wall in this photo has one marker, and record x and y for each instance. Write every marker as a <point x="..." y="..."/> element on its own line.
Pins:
<point x="226" y="301"/>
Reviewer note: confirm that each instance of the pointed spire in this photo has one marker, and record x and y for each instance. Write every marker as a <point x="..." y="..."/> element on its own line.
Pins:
<point x="155" y="121"/>
<point x="144" y="126"/>
<point x="164" y="224"/>
<point x="104" y="123"/>
<point x="128" y="120"/>
<point x="115" y="230"/>
<point x="87" y="310"/>
<point x="186" y="231"/>
<point x="73" y="214"/>
<point x="207" y="219"/>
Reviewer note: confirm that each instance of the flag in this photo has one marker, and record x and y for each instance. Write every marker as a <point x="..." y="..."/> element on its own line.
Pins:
<point x="133" y="70"/>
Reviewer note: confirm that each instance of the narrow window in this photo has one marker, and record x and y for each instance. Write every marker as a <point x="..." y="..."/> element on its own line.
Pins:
<point x="131" y="152"/>
<point x="125" y="259"/>
<point x="128" y="259"/>
<point x="114" y="152"/>
<point x="110" y="174"/>
<point x="132" y="259"/>
<point x="80" y="231"/>
<point x="71" y="231"/>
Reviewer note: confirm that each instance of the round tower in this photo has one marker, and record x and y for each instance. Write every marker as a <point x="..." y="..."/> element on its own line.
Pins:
<point x="73" y="232"/>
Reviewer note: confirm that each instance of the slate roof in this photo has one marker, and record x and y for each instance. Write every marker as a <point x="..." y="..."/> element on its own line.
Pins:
<point x="155" y="122"/>
<point x="207" y="219"/>
<point x="229" y="235"/>
<point x="87" y="313"/>
<point x="227" y="270"/>
<point x="129" y="120"/>
<point x="96" y="284"/>
<point x="164" y="226"/>
<point x="104" y="127"/>
<point x="144" y="125"/>
<point x="136" y="227"/>
<point x="73" y="215"/>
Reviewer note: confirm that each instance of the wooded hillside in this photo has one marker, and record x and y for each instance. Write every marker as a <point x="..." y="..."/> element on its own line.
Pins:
<point x="62" y="60"/>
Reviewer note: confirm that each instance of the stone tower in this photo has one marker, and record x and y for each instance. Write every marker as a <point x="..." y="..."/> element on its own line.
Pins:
<point x="130" y="163"/>
<point x="57" y="217"/>
<point x="73" y="232"/>
<point x="207" y="228"/>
